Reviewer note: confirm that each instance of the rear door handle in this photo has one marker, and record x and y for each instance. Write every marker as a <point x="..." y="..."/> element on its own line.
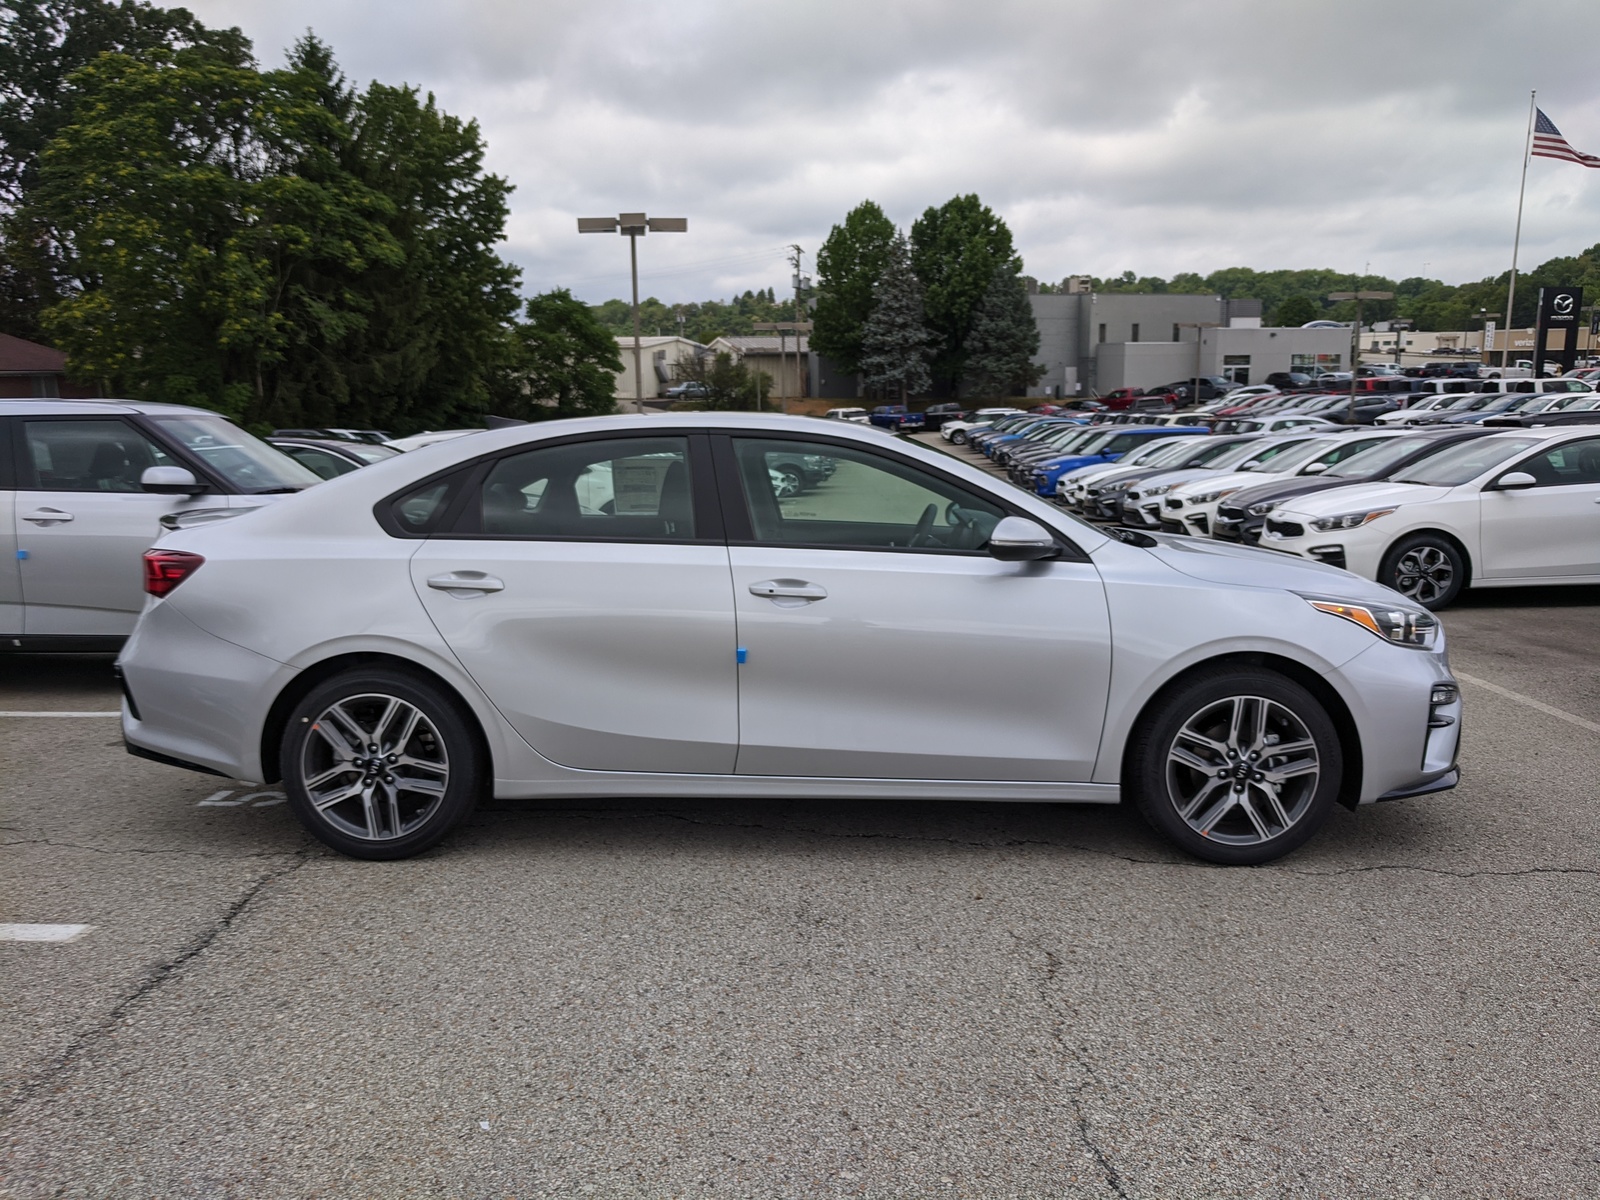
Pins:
<point x="466" y="581"/>
<point x="789" y="589"/>
<point x="47" y="516"/>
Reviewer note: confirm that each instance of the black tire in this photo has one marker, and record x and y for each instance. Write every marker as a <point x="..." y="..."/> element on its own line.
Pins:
<point x="959" y="437"/>
<point x="401" y="792"/>
<point x="1426" y="567"/>
<point x="1253" y="818"/>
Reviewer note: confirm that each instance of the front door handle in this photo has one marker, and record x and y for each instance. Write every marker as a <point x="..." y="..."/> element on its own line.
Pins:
<point x="789" y="589"/>
<point x="466" y="582"/>
<point x="47" y="516"/>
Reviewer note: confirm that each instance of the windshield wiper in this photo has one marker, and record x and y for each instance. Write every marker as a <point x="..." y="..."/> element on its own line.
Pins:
<point x="277" y="491"/>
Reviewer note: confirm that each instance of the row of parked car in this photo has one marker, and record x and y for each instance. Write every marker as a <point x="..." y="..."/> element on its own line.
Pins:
<point x="1507" y="493"/>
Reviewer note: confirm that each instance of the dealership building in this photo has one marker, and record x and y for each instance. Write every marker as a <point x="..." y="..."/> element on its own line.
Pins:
<point x="1096" y="342"/>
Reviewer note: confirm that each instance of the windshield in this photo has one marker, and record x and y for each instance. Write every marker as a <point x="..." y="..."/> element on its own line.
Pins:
<point x="1159" y="451"/>
<point x="369" y="452"/>
<point x="1455" y="466"/>
<point x="1296" y="457"/>
<point x="246" y="462"/>
<point x="1377" y="459"/>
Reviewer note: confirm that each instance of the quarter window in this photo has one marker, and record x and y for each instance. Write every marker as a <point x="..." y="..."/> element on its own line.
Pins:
<point x="806" y="494"/>
<point x="89" y="456"/>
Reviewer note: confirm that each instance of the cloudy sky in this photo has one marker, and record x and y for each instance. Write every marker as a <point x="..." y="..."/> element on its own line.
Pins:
<point x="1149" y="135"/>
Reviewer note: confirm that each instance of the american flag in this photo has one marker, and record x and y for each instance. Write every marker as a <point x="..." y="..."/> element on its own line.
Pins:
<point x="1548" y="143"/>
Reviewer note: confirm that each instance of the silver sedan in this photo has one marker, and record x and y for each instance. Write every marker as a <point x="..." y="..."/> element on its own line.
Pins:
<point x="629" y="607"/>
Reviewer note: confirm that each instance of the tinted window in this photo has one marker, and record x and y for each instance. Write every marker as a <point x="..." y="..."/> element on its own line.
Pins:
<point x="89" y="456"/>
<point x="867" y="502"/>
<point x="636" y="489"/>
<point x="1575" y="462"/>
<point x="324" y="464"/>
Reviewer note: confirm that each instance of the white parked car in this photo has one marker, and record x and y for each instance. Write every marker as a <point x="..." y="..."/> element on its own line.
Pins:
<point x="418" y="440"/>
<point x="857" y="416"/>
<point x="1511" y="509"/>
<point x="84" y="488"/>
<point x="1286" y="424"/>
<point x="466" y="619"/>
<point x="958" y="431"/>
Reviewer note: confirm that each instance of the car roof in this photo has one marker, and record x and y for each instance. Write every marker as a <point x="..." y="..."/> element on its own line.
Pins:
<point x="51" y="407"/>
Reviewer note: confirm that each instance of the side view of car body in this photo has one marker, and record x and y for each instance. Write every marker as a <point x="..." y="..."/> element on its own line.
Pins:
<point x="471" y="618"/>
<point x="84" y="488"/>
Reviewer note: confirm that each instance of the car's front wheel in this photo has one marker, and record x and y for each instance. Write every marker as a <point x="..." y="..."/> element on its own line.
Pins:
<point x="959" y="437"/>
<point x="1239" y="766"/>
<point x="380" y="764"/>
<point x="1426" y="567"/>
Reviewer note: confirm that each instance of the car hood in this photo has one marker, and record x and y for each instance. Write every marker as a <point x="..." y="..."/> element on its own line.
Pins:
<point x="1224" y="479"/>
<point x="1181" y="475"/>
<point x="1280" y="490"/>
<point x="1362" y="496"/>
<point x="1248" y="566"/>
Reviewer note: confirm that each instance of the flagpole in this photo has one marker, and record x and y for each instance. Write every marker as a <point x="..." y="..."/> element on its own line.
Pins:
<point x="1516" y="242"/>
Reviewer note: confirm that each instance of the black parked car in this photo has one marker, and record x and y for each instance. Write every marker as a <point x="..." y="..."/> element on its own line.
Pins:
<point x="935" y="415"/>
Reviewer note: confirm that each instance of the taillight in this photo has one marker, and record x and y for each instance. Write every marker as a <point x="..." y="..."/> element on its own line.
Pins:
<point x="166" y="569"/>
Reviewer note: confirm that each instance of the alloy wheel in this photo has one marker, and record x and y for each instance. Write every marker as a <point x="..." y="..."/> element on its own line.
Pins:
<point x="1424" y="573"/>
<point x="1243" y="770"/>
<point x="375" y="767"/>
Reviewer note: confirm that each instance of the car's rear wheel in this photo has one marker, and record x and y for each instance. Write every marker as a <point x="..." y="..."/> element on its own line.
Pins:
<point x="1238" y="766"/>
<point x="380" y="764"/>
<point x="1426" y="567"/>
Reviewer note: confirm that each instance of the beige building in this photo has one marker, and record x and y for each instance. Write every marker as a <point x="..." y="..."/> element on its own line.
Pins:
<point x="790" y="373"/>
<point x="659" y="357"/>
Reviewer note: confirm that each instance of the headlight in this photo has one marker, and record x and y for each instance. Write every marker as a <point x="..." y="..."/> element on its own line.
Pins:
<point x="1156" y="491"/>
<point x="1349" y="520"/>
<point x="1212" y="497"/>
<point x="1401" y="626"/>
<point x="1262" y="509"/>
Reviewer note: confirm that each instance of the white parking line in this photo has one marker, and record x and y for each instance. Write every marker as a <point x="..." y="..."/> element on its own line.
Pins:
<point x="19" y="713"/>
<point x="1529" y="701"/>
<point x="42" y="933"/>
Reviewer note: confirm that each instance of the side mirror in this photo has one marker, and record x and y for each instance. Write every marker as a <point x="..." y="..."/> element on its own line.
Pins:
<point x="1316" y="468"/>
<point x="170" y="481"/>
<point x="1017" y="539"/>
<point x="1515" y="481"/>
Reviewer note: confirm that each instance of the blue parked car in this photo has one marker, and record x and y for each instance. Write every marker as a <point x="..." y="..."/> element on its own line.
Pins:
<point x="996" y="447"/>
<point x="1110" y="446"/>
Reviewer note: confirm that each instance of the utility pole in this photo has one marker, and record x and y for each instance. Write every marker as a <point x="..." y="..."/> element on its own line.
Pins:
<point x="1355" y="340"/>
<point x="634" y="226"/>
<point x="796" y="256"/>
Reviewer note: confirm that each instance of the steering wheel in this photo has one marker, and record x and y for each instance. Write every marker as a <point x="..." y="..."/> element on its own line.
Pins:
<point x="921" y="535"/>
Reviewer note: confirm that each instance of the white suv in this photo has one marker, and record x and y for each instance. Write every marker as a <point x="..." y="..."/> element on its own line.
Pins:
<point x="84" y="485"/>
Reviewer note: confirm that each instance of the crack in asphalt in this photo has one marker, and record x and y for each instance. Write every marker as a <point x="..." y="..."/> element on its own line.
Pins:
<point x="51" y="842"/>
<point x="1080" y="1056"/>
<point x="154" y="979"/>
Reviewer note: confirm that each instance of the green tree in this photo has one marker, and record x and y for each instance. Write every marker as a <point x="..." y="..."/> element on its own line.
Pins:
<point x="1295" y="310"/>
<point x="730" y="385"/>
<point x="849" y="266"/>
<point x="895" y="343"/>
<point x="955" y="249"/>
<point x="1003" y="341"/>
<point x="565" y="362"/>
<point x="42" y="43"/>
<point x="285" y="251"/>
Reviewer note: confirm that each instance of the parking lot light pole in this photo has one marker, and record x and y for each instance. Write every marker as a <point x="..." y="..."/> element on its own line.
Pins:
<point x="634" y="226"/>
<point x="1355" y="340"/>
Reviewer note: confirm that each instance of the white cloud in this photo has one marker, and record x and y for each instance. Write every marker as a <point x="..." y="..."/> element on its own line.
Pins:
<point x="1157" y="137"/>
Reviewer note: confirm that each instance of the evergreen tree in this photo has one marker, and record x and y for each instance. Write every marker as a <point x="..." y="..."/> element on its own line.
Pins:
<point x="895" y="343"/>
<point x="1003" y="340"/>
<point x="849" y="265"/>
<point x="955" y="249"/>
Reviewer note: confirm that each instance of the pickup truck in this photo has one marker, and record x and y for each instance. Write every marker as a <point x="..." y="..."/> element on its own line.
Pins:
<point x="896" y="417"/>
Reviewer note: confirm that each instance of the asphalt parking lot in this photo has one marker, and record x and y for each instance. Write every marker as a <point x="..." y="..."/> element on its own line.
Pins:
<point x="811" y="999"/>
